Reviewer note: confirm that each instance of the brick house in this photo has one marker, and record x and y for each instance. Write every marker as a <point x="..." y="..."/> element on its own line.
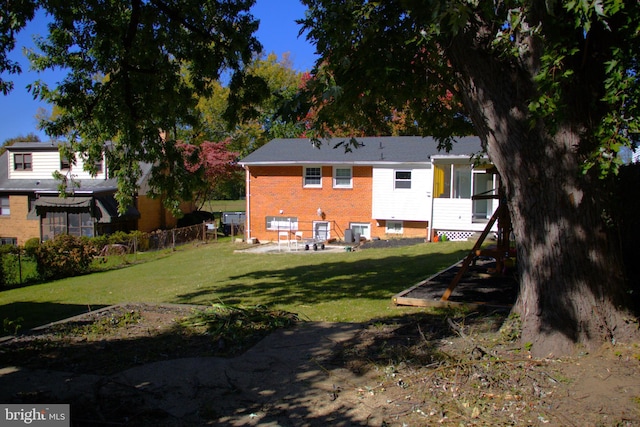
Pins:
<point x="30" y="205"/>
<point x="388" y="187"/>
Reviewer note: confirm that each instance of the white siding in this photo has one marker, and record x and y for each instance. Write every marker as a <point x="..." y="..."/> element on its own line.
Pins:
<point x="80" y="173"/>
<point x="406" y="204"/>
<point x="455" y="214"/>
<point x="45" y="163"/>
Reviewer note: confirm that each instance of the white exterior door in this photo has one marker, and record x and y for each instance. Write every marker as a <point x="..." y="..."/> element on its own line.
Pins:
<point x="321" y="230"/>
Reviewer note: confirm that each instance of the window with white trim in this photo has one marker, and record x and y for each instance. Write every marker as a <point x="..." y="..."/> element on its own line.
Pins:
<point x="342" y="177"/>
<point x="402" y="179"/>
<point x="452" y="181"/>
<point x="313" y="176"/>
<point x="361" y="228"/>
<point x="394" y="227"/>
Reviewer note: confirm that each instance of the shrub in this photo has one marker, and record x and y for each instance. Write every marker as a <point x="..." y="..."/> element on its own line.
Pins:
<point x="142" y="240"/>
<point x="64" y="256"/>
<point x="119" y="238"/>
<point x="31" y="245"/>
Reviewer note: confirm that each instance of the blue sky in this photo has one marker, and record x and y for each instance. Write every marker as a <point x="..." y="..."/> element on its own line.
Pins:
<point x="278" y="33"/>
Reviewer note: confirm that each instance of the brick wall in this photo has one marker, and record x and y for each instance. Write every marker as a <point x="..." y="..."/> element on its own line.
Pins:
<point x="16" y="224"/>
<point x="409" y="229"/>
<point x="153" y="216"/>
<point x="275" y="189"/>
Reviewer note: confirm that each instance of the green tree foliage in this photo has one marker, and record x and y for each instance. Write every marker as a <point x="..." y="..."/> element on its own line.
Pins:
<point x="261" y="122"/>
<point x="552" y="90"/>
<point x="255" y="126"/>
<point x="135" y="68"/>
<point x="14" y="15"/>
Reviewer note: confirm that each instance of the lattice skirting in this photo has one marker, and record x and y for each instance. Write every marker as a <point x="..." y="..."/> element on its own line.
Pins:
<point x="457" y="236"/>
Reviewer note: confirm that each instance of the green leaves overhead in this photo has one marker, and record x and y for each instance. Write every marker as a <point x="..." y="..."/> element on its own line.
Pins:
<point x="135" y="69"/>
<point x="14" y="15"/>
<point x="576" y="61"/>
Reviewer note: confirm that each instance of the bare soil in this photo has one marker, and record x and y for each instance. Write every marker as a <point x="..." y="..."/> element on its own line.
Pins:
<point x="138" y="365"/>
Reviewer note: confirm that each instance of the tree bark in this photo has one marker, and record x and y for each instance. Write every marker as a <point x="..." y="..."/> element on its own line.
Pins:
<point x="572" y="289"/>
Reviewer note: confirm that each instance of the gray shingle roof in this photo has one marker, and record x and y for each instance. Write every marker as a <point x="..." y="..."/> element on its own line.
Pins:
<point x="374" y="150"/>
<point x="35" y="146"/>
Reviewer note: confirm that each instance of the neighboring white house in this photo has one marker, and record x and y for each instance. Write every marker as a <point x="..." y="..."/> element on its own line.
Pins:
<point x="31" y="206"/>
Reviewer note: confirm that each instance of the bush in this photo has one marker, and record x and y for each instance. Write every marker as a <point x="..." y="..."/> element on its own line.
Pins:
<point x="122" y="238"/>
<point x="31" y="245"/>
<point x="119" y="238"/>
<point x="142" y="240"/>
<point x="64" y="256"/>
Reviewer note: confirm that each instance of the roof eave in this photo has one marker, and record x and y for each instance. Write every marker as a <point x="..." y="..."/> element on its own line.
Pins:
<point x="330" y="163"/>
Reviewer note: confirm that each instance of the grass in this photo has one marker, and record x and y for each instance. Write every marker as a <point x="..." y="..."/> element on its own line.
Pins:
<point x="225" y="206"/>
<point x="323" y="286"/>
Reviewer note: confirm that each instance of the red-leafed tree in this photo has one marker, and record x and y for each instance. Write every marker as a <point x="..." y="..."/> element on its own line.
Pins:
<point x="209" y="164"/>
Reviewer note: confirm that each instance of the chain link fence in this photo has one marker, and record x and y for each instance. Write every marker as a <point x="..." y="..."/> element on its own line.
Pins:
<point x="19" y="268"/>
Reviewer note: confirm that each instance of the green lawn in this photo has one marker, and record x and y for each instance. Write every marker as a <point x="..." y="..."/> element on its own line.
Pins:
<point x="329" y="286"/>
<point x="225" y="206"/>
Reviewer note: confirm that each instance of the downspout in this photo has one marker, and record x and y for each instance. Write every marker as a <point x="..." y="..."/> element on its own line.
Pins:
<point x="247" y="193"/>
<point x="433" y="187"/>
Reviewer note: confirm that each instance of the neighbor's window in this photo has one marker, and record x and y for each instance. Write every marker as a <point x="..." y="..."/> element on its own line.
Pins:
<point x="403" y="179"/>
<point x="4" y="206"/>
<point x="53" y="224"/>
<point x="65" y="164"/>
<point x="80" y="224"/>
<point x="22" y="162"/>
<point x="312" y="177"/>
<point x="342" y="177"/>
<point x="76" y="224"/>
<point x="13" y="241"/>
<point x="394" y="227"/>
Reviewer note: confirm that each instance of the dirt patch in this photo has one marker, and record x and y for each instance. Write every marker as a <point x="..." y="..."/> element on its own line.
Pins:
<point x="445" y="368"/>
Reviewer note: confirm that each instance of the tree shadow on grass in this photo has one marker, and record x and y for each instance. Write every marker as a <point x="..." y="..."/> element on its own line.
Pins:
<point x="373" y="279"/>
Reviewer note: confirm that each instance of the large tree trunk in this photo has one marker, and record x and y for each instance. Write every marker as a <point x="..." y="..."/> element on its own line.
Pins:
<point x="571" y="283"/>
